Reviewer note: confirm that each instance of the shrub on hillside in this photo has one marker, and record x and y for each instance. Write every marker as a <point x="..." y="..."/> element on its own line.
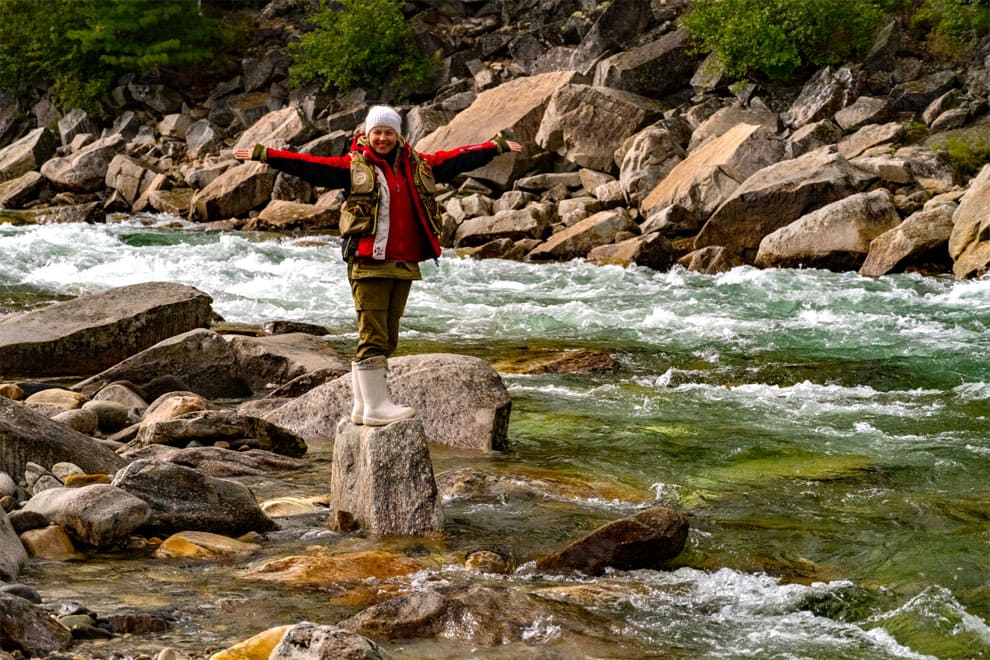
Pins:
<point x="360" y="43"/>
<point x="774" y="39"/>
<point x="82" y="47"/>
<point x="954" y="26"/>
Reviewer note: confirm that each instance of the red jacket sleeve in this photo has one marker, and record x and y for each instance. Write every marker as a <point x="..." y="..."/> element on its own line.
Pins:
<point x="326" y="171"/>
<point x="448" y="164"/>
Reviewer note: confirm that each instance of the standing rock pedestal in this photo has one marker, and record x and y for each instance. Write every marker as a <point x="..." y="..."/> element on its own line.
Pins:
<point x="382" y="480"/>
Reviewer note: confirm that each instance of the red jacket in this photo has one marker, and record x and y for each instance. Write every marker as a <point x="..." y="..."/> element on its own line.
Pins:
<point x="404" y="235"/>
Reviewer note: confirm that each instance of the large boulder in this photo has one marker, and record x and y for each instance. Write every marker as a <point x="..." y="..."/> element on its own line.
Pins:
<point x="512" y="224"/>
<point x="647" y="158"/>
<point x="91" y="332"/>
<point x="233" y="193"/>
<point x="15" y="192"/>
<point x="827" y="92"/>
<point x="98" y="515"/>
<point x="382" y="479"/>
<point x="130" y="177"/>
<point x="655" y="69"/>
<point x="585" y="124"/>
<point x="776" y="196"/>
<point x="836" y="236"/>
<point x="921" y="240"/>
<point x="516" y="107"/>
<point x="12" y="552"/>
<point x="27" y="154"/>
<point x="461" y="401"/>
<point x="576" y="241"/>
<point x="86" y="169"/>
<point x="183" y="499"/>
<point x="28" y="436"/>
<point x="650" y="250"/>
<point x="646" y="540"/>
<point x="710" y="173"/>
<point x="969" y="243"/>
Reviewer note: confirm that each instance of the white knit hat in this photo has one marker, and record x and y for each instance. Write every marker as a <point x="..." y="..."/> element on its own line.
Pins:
<point x="382" y="115"/>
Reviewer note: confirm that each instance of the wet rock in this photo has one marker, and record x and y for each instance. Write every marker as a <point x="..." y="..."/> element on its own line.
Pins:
<point x="461" y="401"/>
<point x="182" y="499"/>
<point x="921" y="239"/>
<point x="776" y="196"/>
<point x="216" y="461"/>
<point x="646" y="540"/>
<point x="558" y="362"/>
<point x="29" y="628"/>
<point x="836" y="236"/>
<point x="310" y="641"/>
<point x="205" y="545"/>
<point x="486" y="561"/>
<point x="484" y="614"/>
<point x="258" y="646"/>
<point x="210" y="426"/>
<point x="30" y="436"/>
<point x="12" y="553"/>
<point x="49" y="542"/>
<point x="92" y="332"/>
<point x="650" y="251"/>
<point x="99" y="515"/>
<point x="27" y="154"/>
<point x="136" y="623"/>
<point x="383" y="478"/>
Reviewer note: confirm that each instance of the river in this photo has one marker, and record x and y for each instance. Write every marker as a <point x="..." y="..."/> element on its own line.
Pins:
<point x="827" y="433"/>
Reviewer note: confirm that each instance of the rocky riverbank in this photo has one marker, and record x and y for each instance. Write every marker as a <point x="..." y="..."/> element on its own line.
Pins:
<point x="637" y="150"/>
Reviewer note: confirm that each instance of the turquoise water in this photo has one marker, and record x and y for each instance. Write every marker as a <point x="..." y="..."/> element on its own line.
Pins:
<point x="827" y="433"/>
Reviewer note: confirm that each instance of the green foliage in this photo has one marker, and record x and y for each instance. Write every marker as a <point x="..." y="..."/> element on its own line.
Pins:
<point x="774" y="39"/>
<point x="357" y="43"/>
<point x="954" y="26"/>
<point x="82" y="47"/>
<point x="968" y="156"/>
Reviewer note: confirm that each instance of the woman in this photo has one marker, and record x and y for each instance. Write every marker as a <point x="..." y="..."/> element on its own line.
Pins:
<point x="389" y="223"/>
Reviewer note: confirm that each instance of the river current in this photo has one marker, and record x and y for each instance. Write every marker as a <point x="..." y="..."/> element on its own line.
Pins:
<point x="828" y="434"/>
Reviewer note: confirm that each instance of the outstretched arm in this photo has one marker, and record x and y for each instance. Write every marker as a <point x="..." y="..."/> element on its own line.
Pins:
<point x="327" y="171"/>
<point x="448" y="164"/>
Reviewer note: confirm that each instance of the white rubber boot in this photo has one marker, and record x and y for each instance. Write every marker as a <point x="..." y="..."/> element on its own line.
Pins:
<point x="378" y="407"/>
<point x="357" y="412"/>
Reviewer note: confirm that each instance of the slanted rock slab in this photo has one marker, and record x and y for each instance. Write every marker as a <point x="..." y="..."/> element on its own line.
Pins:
<point x="94" y="331"/>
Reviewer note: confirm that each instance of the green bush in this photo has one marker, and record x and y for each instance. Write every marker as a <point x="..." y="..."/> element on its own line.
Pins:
<point x="954" y="26"/>
<point x="775" y="39"/>
<point x="82" y="47"/>
<point x="968" y="156"/>
<point x="360" y="43"/>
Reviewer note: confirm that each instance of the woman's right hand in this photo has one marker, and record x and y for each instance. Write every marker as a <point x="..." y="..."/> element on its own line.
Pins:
<point x="242" y="154"/>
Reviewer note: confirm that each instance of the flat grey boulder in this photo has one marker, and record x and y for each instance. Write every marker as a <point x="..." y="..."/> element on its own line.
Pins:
<point x="461" y="401"/>
<point x="99" y="515"/>
<point x="836" y="236"/>
<point x="89" y="333"/>
<point x="183" y="499"/>
<point x="28" y="436"/>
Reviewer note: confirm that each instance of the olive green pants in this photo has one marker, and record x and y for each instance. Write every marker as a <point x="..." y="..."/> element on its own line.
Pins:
<point x="379" y="303"/>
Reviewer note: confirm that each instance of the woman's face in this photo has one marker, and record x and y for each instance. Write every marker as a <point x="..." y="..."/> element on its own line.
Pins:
<point x="382" y="139"/>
